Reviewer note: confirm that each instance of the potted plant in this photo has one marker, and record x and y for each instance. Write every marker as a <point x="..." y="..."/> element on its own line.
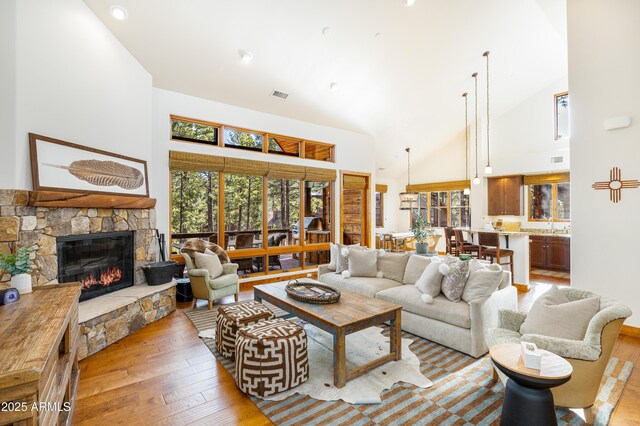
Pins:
<point x="18" y="266"/>
<point x="421" y="231"/>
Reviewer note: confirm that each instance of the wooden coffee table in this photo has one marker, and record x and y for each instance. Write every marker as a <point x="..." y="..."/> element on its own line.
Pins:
<point x="353" y="312"/>
<point x="528" y="399"/>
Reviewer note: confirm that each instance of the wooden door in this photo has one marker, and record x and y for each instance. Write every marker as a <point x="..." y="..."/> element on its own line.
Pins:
<point x="495" y="195"/>
<point x="537" y="251"/>
<point x="559" y="253"/>
<point x="512" y="186"/>
<point x="354" y="208"/>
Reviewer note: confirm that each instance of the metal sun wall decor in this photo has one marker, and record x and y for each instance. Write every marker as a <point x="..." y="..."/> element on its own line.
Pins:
<point x="615" y="184"/>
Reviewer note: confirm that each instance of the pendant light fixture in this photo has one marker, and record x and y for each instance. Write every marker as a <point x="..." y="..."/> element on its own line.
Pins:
<point x="487" y="169"/>
<point x="467" y="190"/>
<point x="476" y="179"/>
<point x="408" y="198"/>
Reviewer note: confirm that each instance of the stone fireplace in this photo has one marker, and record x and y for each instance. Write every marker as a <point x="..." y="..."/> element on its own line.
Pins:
<point x="103" y="262"/>
<point x="103" y="248"/>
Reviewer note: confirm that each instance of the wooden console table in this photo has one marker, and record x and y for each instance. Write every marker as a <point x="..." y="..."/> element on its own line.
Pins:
<point x="38" y="356"/>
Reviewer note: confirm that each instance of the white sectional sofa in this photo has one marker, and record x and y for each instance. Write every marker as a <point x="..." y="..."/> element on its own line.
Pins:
<point x="458" y="325"/>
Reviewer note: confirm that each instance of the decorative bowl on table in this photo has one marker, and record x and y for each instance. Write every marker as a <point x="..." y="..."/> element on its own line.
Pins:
<point x="312" y="292"/>
<point x="464" y="256"/>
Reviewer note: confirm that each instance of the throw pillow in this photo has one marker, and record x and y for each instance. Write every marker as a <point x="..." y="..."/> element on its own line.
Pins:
<point x="415" y="268"/>
<point x="342" y="261"/>
<point x="556" y="316"/>
<point x="455" y="280"/>
<point x="393" y="265"/>
<point x="483" y="280"/>
<point x="430" y="282"/>
<point x="363" y="263"/>
<point x="333" y="256"/>
<point x="210" y="262"/>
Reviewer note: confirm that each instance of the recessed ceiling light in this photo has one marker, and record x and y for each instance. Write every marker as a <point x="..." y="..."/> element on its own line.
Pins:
<point x="246" y="56"/>
<point x="326" y="31"/>
<point x="409" y="3"/>
<point x="118" y="12"/>
<point x="334" y="86"/>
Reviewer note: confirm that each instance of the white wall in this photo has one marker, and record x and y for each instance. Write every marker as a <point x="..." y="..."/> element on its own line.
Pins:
<point x="8" y="91"/>
<point x="354" y="152"/>
<point x="604" y="41"/>
<point x="75" y="82"/>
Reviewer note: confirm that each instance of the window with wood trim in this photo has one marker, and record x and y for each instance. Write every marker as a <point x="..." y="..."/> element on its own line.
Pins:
<point x="379" y="209"/>
<point x="257" y="216"/>
<point x="444" y="208"/>
<point x="550" y="201"/>
<point x="192" y="130"/>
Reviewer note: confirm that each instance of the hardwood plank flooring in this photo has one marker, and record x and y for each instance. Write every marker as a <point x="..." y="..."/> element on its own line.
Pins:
<point x="163" y="374"/>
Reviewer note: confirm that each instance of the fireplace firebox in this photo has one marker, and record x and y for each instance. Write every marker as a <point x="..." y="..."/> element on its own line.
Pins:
<point x="102" y="263"/>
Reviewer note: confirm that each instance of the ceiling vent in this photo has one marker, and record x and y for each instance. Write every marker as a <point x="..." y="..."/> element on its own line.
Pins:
<point x="280" y="95"/>
<point x="555" y="160"/>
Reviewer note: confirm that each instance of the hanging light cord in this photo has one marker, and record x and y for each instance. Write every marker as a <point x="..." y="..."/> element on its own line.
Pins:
<point x="475" y="78"/>
<point x="486" y="55"/>
<point x="466" y="138"/>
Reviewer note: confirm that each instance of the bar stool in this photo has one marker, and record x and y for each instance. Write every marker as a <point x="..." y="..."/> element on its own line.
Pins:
<point x="450" y="241"/>
<point x="493" y="251"/>
<point x="464" y="247"/>
<point x="387" y="242"/>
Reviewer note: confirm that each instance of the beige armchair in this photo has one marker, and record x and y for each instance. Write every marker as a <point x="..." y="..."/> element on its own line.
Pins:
<point x="205" y="288"/>
<point x="588" y="357"/>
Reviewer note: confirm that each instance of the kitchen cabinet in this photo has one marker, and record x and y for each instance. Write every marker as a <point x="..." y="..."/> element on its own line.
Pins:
<point x="505" y="196"/>
<point x="550" y="252"/>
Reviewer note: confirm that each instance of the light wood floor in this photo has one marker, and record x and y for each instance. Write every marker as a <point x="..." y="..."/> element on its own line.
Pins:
<point x="164" y="374"/>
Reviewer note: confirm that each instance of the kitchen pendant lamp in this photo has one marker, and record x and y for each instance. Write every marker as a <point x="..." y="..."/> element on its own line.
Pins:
<point x="476" y="179"/>
<point x="487" y="169"/>
<point x="408" y="198"/>
<point x="467" y="190"/>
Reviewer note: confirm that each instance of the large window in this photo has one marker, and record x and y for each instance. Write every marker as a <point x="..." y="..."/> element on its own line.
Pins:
<point x="444" y="208"/>
<point x="242" y="212"/>
<point x="317" y="220"/>
<point x="561" y="119"/>
<point x="194" y="207"/>
<point x="550" y="201"/>
<point x="270" y="223"/>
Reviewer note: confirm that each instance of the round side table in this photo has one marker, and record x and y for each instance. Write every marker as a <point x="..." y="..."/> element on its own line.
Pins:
<point x="528" y="399"/>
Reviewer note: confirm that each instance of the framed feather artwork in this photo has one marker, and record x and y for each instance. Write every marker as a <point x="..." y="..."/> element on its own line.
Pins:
<point x="64" y="166"/>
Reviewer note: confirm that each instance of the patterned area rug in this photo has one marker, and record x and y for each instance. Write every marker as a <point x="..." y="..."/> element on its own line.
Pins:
<point x="462" y="391"/>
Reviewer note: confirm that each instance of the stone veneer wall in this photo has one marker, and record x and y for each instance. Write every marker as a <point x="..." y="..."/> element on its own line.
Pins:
<point x="37" y="227"/>
<point x="100" y="332"/>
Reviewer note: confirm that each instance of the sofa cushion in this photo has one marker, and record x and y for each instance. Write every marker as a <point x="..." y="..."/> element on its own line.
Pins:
<point x="363" y="263"/>
<point x="555" y="316"/>
<point x="210" y="262"/>
<point x="430" y="282"/>
<point x="415" y="266"/>
<point x="365" y="286"/>
<point x="483" y="280"/>
<point x="442" y="309"/>
<point x="393" y="265"/>
<point x="455" y="280"/>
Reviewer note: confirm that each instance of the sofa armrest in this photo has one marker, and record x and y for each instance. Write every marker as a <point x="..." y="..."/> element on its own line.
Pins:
<point x="324" y="269"/>
<point x="575" y="349"/>
<point x="484" y="315"/>
<point x="229" y="268"/>
<point x="511" y="320"/>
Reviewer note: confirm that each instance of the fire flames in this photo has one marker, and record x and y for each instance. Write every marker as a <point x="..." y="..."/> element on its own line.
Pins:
<point x="107" y="278"/>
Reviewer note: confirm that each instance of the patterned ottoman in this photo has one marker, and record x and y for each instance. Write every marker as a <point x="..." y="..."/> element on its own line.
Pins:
<point x="231" y="318"/>
<point x="271" y="357"/>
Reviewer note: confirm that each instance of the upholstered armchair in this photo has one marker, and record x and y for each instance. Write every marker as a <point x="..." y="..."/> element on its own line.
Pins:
<point x="205" y="288"/>
<point x="588" y="357"/>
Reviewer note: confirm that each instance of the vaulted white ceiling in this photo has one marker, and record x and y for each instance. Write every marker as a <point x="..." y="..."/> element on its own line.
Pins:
<point x="402" y="86"/>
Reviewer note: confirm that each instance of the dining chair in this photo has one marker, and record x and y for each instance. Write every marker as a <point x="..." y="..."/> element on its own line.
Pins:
<point x="449" y="238"/>
<point x="464" y="247"/>
<point x="489" y="247"/>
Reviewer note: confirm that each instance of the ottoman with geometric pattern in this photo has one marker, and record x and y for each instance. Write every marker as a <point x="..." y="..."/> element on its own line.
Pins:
<point x="232" y="317"/>
<point x="271" y="357"/>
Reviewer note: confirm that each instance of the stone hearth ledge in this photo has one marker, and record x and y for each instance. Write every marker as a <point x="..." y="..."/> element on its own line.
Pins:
<point x="106" y="303"/>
